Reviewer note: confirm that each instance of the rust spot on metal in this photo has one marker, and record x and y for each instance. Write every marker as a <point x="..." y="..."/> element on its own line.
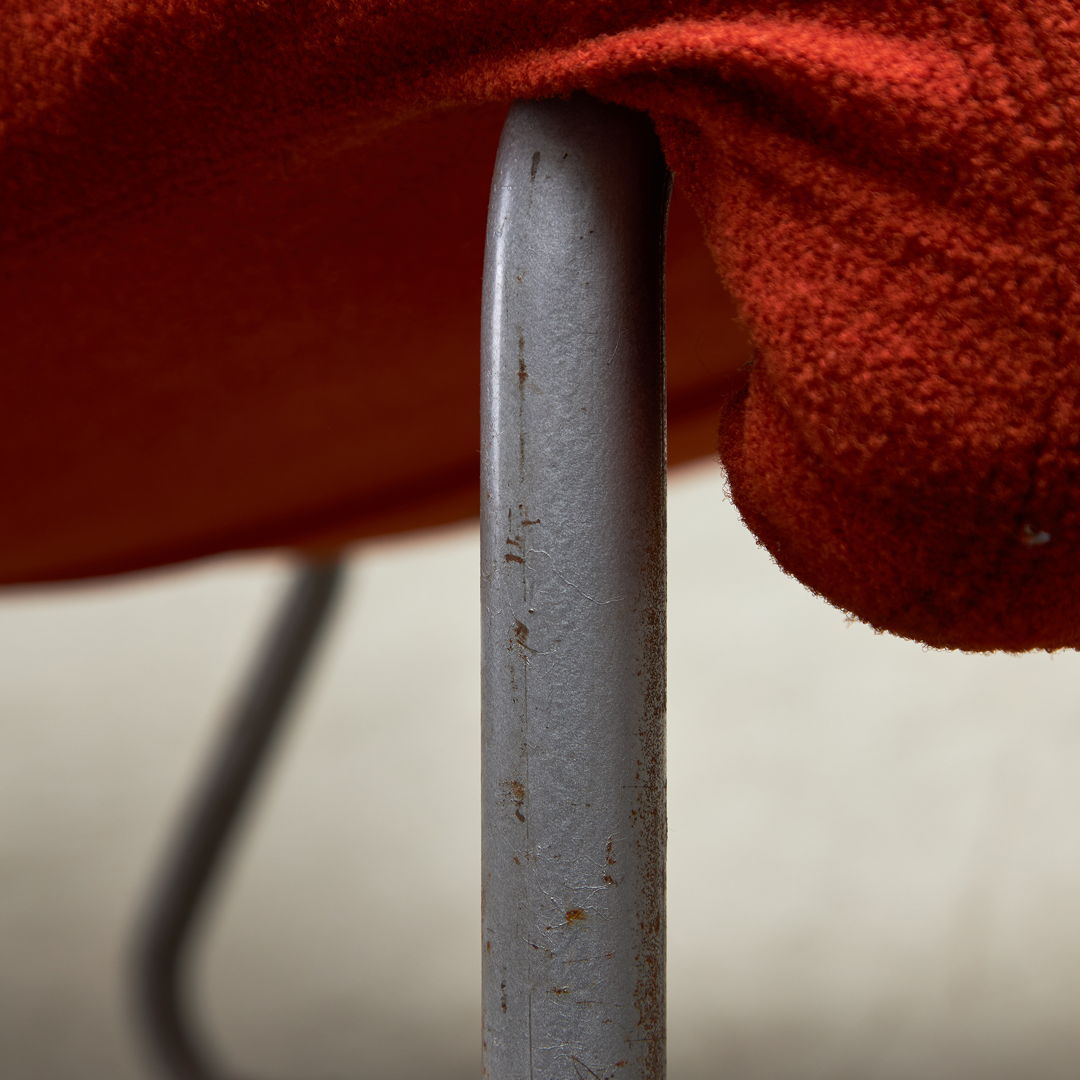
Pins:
<point x="520" y="640"/>
<point x="560" y="989"/>
<point x="516" y="790"/>
<point x="511" y="557"/>
<point x="517" y="861"/>
<point x="609" y="880"/>
<point x="535" y="521"/>
<point x="575" y="914"/>
<point x="610" y="852"/>
<point x="487" y="945"/>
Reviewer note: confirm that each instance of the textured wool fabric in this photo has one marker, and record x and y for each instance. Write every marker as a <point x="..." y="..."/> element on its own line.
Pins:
<point x="240" y="247"/>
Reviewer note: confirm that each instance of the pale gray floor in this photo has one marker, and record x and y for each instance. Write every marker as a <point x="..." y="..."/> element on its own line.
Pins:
<point x="873" y="855"/>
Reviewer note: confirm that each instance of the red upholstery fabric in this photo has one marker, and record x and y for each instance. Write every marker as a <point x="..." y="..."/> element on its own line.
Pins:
<point x="240" y="247"/>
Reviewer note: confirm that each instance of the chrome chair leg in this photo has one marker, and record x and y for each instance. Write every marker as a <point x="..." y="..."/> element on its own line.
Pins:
<point x="573" y="582"/>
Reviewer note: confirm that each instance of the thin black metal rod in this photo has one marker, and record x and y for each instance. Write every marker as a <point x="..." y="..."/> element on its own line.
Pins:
<point x="193" y="863"/>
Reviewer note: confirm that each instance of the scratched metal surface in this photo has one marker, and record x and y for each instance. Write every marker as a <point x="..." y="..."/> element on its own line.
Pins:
<point x="573" y="582"/>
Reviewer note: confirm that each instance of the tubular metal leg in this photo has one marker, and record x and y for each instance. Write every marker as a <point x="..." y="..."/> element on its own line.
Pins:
<point x="573" y="595"/>
<point x="192" y="867"/>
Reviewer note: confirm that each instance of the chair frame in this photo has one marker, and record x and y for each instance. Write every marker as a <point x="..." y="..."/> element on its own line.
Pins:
<point x="573" y="599"/>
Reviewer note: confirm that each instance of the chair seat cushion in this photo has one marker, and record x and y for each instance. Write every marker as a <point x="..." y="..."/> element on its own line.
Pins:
<point x="240" y="250"/>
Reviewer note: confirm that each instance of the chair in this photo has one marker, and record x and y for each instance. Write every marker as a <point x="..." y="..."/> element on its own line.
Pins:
<point x="899" y="436"/>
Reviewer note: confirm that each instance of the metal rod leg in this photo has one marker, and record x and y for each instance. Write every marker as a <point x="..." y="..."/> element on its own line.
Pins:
<point x="192" y="867"/>
<point x="573" y="596"/>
